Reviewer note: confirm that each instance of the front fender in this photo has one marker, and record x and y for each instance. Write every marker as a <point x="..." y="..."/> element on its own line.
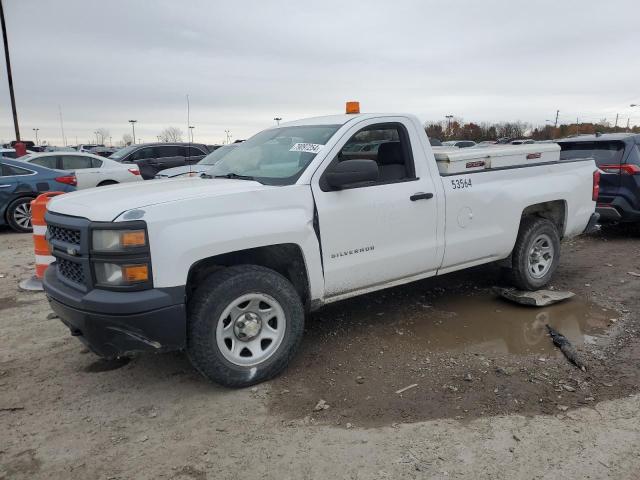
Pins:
<point x="181" y="233"/>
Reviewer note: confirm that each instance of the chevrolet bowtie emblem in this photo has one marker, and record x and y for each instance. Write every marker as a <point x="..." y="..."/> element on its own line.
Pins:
<point x="72" y="251"/>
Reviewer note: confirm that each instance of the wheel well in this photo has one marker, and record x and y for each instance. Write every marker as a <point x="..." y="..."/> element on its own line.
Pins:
<point x="107" y="182"/>
<point x="286" y="259"/>
<point x="555" y="211"/>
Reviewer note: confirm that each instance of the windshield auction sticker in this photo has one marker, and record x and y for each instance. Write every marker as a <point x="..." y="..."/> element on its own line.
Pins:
<point x="306" y="147"/>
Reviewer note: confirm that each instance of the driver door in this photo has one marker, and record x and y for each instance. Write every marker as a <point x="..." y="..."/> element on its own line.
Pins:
<point x="384" y="231"/>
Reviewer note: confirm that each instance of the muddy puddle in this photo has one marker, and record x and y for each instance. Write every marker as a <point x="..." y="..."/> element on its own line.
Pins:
<point x="486" y="323"/>
<point x="469" y="353"/>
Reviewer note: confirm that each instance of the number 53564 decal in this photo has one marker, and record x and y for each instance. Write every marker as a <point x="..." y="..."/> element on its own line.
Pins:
<point x="461" y="183"/>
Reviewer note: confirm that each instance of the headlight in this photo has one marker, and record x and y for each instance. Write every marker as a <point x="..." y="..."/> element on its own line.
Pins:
<point x="118" y="240"/>
<point x="121" y="275"/>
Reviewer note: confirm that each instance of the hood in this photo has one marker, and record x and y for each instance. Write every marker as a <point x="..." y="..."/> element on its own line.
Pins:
<point x="105" y="204"/>
<point x="175" y="171"/>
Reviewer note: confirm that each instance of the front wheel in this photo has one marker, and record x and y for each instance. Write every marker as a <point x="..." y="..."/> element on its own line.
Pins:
<point x="245" y="324"/>
<point x="19" y="215"/>
<point x="536" y="254"/>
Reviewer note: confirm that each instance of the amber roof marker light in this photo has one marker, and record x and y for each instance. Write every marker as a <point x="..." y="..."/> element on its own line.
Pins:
<point x="353" y="107"/>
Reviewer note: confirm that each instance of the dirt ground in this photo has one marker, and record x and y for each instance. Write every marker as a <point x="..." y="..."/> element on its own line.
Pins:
<point x="490" y="396"/>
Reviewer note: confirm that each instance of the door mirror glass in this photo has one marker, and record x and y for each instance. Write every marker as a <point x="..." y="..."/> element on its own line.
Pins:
<point x="352" y="172"/>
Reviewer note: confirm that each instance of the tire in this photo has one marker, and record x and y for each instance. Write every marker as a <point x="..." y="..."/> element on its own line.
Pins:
<point x="536" y="254"/>
<point x="220" y="336"/>
<point x="19" y="215"/>
<point x="107" y="182"/>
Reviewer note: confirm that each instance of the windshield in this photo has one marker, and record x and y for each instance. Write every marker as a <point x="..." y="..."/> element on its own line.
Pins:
<point x="215" y="156"/>
<point x="122" y="152"/>
<point x="277" y="156"/>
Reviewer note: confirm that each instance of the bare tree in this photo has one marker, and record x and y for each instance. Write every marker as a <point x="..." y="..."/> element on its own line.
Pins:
<point x="102" y="133"/>
<point x="171" y="134"/>
<point x="127" y="139"/>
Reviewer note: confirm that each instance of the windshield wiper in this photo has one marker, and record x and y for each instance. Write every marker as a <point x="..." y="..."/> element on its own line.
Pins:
<point x="235" y="176"/>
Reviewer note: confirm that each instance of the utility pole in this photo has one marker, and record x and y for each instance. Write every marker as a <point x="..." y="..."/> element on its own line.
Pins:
<point x="556" y="124"/>
<point x="9" y="76"/>
<point x="616" y="125"/>
<point x="133" y="127"/>
<point x="577" y="126"/>
<point x="628" y="123"/>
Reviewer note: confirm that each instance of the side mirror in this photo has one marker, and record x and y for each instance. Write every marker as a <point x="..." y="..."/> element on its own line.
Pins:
<point x="349" y="172"/>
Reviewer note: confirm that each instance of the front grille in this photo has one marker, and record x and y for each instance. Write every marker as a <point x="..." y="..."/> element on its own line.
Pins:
<point x="67" y="235"/>
<point x="71" y="271"/>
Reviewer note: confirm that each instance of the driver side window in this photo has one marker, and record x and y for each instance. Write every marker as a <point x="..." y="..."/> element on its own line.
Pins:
<point x="388" y="145"/>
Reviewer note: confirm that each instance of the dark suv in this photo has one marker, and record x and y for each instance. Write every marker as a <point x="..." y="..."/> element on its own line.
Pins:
<point x="153" y="157"/>
<point x="618" y="157"/>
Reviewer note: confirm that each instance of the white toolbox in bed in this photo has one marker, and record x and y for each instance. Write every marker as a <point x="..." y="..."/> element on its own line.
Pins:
<point x="473" y="159"/>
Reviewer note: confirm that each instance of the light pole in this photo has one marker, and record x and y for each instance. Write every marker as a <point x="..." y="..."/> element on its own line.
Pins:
<point x="228" y="133"/>
<point x="191" y="127"/>
<point x="96" y="133"/>
<point x="277" y="119"/>
<point x="133" y="127"/>
<point x="36" y="130"/>
<point x="9" y="75"/>
<point x="448" y="117"/>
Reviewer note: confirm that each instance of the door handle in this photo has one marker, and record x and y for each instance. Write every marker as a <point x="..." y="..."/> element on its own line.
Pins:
<point x="420" y="196"/>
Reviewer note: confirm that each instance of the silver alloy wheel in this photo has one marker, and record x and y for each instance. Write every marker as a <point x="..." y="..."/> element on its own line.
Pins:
<point x="22" y="215"/>
<point x="250" y="329"/>
<point x="541" y="256"/>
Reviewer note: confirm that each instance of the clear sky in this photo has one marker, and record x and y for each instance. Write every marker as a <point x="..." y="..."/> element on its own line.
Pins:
<point x="245" y="62"/>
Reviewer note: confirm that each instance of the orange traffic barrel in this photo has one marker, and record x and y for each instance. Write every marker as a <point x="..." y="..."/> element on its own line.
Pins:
<point x="41" y="247"/>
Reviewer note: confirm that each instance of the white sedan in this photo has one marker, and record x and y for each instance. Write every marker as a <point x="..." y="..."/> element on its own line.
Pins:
<point x="90" y="170"/>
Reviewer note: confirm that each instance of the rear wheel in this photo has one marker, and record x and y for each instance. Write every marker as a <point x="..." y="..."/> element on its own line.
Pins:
<point x="245" y="324"/>
<point x="536" y="254"/>
<point x="19" y="215"/>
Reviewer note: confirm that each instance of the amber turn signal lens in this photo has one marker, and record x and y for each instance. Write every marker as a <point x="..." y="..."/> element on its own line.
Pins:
<point x="133" y="238"/>
<point x="353" y="107"/>
<point x="135" y="273"/>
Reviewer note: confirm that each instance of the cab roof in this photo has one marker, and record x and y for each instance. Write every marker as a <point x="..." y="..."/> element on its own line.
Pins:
<point x="338" y="119"/>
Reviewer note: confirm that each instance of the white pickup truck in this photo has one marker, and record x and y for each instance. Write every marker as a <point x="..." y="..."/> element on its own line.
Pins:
<point x="298" y="216"/>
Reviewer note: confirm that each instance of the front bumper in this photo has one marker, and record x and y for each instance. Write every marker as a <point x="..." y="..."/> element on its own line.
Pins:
<point x="114" y="324"/>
